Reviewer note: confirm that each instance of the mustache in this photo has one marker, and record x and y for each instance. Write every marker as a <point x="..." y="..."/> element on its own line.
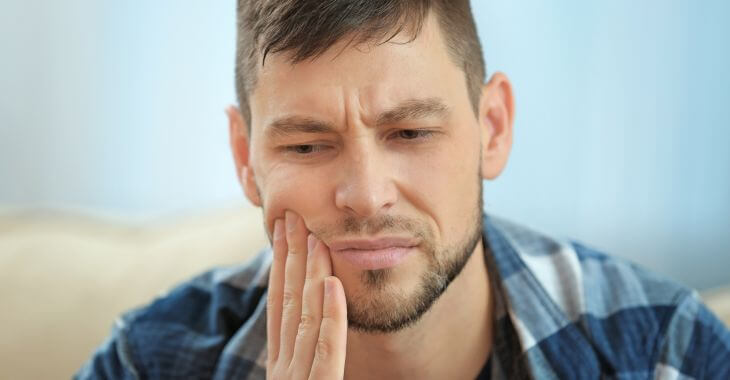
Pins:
<point x="351" y="226"/>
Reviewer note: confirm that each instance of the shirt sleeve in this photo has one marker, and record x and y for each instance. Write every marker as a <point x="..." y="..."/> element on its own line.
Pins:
<point x="112" y="360"/>
<point x="696" y="344"/>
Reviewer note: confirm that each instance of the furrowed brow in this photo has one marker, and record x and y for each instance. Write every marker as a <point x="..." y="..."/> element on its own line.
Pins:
<point x="297" y="124"/>
<point x="414" y="109"/>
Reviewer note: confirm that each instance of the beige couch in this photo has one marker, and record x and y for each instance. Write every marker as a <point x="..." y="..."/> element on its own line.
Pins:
<point x="65" y="278"/>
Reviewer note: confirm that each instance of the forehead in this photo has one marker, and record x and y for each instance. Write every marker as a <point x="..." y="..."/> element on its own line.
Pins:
<point x="367" y="78"/>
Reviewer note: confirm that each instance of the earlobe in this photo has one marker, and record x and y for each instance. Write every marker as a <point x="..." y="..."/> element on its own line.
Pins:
<point x="239" y="140"/>
<point x="496" y="117"/>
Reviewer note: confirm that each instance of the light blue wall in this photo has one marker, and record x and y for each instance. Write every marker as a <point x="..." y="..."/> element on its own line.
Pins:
<point x="116" y="105"/>
<point x="623" y="126"/>
<point x="622" y="132"/>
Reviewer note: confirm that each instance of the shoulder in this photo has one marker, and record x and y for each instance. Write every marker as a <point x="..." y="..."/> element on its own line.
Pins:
<point x="585" y="281"/>
<point x="633" y="320"/>
<point x="184" y="332"/>
<point x="234" y="290"/>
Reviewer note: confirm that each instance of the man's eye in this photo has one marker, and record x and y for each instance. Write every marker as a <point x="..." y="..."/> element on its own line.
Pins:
<point x="412" y="134"/>
<point x="304" y="149"/>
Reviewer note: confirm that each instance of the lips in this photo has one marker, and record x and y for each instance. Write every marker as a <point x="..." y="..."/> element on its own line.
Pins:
<point x="372" y="244"/>
<point x="374" y="254"/>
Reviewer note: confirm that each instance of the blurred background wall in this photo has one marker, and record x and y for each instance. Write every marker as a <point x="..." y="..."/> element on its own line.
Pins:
<point x="622" y="130"/>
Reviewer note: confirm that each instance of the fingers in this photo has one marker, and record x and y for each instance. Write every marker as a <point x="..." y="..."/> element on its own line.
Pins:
<point x="329" y="358"/>
<point x="307" y="313"/>
<point x="275" y="290"/>
<point x="296" y="260"/>
<point x="318" y="268"/>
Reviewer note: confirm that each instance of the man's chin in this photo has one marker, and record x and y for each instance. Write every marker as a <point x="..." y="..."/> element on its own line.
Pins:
<point x="378" y="311"/>
<point x="385" y="300"/>
<point x="376" y="283"/>
<point x="390" y="300"/>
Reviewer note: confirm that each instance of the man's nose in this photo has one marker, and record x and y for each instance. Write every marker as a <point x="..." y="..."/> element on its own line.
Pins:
<point x="366" y="186"/>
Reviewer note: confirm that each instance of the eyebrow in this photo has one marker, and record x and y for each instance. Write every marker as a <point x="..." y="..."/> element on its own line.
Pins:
<point x="411" y="109"/>
<point x="298" y="124"/>
<point x="414" y="109"/>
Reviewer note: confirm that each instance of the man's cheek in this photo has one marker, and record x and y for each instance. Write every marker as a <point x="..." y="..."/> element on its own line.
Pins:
<point x="275" y="205"/>
<point x="300" y="197"/>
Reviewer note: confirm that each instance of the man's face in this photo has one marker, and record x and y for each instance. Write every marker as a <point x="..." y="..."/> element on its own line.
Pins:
<point x="374" y="145"/>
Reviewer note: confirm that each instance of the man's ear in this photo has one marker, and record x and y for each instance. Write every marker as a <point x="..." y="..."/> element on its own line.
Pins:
<point x="239" y="140"/>
<point x="496" y="117"/>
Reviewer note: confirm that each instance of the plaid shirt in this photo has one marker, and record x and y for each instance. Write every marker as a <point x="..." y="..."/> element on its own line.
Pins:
<point x="563" y="311"/>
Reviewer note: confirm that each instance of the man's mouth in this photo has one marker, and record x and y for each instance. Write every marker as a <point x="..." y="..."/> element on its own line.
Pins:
<point x="371" y="254"/>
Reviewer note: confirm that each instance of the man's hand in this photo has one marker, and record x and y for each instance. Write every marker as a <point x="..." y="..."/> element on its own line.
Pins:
<point x="306" y="317"/>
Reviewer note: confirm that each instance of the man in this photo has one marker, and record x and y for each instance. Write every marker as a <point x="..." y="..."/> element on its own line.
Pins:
<point x="364" y="131"/>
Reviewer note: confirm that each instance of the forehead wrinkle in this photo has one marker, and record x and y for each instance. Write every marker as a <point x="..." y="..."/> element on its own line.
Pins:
<point x="414" y="109"/>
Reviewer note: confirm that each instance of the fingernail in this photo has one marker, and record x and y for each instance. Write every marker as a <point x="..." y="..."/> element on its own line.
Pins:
<point x="278" y="229"/>
<point x="311" y="242"/>
<point x="291" y="221"/>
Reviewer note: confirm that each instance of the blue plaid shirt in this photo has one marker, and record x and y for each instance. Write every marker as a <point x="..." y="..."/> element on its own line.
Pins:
<point x="563" y="311"/>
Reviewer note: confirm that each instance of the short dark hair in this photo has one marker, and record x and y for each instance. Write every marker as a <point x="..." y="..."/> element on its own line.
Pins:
<point x="307" y="28"/>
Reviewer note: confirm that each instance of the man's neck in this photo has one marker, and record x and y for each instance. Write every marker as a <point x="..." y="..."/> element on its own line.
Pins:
<point x="452" y="340"/>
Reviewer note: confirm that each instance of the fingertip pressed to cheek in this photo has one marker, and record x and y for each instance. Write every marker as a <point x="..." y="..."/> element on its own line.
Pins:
<point x="278" y="229"/>
<point x="318" y="261"/>
<point x="311" y="243"/>
<point x="291" y="222"/>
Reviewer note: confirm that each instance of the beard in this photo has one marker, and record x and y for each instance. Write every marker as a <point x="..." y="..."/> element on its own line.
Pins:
<point x="380" y="305"/>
